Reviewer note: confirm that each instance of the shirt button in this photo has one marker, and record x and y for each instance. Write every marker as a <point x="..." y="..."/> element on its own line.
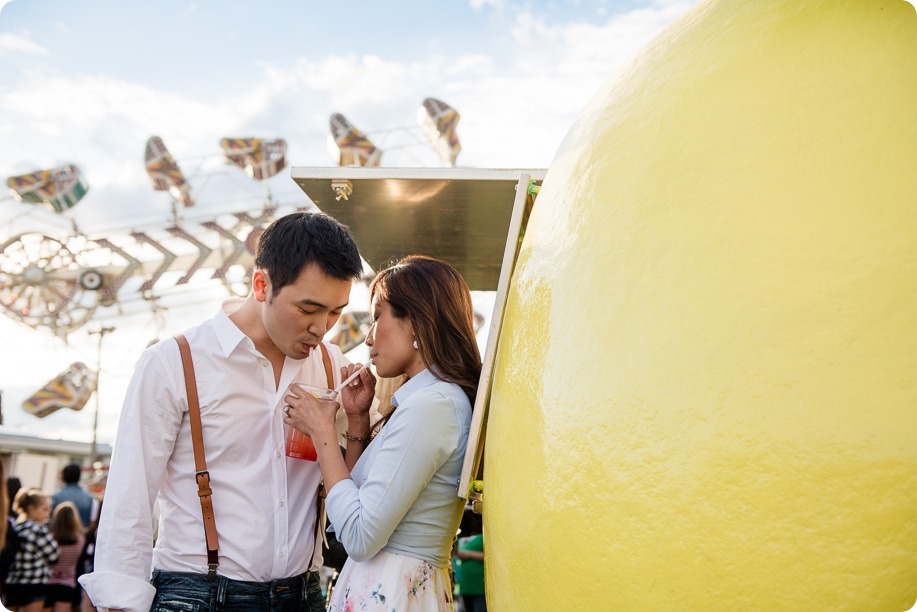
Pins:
<point x="278" y="455"/>
<point x="281" y="503"/>
<point x="263" y="364"/>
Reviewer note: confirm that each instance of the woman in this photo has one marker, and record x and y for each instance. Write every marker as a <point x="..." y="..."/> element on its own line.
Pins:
<point x="392" y="499"/>
<point x="67" y="531"/>
<point x="27" y="583"/>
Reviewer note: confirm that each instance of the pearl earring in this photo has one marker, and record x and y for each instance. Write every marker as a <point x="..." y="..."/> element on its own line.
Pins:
<point x="416" y="346"/>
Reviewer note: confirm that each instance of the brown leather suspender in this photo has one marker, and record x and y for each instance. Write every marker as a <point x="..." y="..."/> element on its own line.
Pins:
<point x="326" y="360"/>
<point x="204" y="492"/>
<point x="320" y="493"/>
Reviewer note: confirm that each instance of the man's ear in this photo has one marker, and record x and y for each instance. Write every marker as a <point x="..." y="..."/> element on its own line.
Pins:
<point x="260" y="284"/>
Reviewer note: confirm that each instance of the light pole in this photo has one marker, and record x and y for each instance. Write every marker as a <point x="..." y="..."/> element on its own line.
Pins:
<point x="101" y="333"/>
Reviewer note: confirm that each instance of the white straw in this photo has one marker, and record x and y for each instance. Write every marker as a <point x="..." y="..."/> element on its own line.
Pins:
<point x="347" y="380"/>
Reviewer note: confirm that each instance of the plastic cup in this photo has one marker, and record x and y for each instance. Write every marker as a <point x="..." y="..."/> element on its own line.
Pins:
<point x="298" y="444"/>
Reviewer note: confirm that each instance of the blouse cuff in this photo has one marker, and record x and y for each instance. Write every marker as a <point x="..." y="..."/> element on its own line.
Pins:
<point x="338" y="498"/>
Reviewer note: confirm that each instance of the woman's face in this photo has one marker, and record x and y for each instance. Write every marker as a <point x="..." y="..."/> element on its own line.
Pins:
<point x="391" y="343"/>
<point x="41" y="511"/>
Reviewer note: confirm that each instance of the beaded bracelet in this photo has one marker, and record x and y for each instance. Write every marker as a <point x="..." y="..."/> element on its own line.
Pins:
<point x="347" y="436"/>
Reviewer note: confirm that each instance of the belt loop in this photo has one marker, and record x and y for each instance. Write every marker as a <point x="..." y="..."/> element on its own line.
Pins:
<point x="154" y="578"/>
<point x="222" y="585"/>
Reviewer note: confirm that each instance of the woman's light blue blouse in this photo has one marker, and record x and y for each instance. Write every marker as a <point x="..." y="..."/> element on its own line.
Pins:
<point x="403" y="497"/>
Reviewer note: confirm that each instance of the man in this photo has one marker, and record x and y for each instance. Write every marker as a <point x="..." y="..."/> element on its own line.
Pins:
<point x="71" y="491"/>
<point x="264" y="503"/>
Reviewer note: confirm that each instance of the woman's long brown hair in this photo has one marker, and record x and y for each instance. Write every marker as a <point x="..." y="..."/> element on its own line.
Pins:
<point x="434" y="297"/>
<point x="66" y="526"/>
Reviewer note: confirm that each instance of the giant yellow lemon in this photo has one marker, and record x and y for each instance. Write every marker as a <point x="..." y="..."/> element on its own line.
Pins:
<point x="705" y="395"/>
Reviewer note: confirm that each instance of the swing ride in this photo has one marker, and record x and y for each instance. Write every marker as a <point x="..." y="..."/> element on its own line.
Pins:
<point x="57" y="283"/>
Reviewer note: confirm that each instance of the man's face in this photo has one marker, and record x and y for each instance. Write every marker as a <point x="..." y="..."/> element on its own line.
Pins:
<point x="297" y="318"/>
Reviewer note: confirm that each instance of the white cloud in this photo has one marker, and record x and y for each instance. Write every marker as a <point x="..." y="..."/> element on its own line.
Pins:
<point x="588" y="49"/>
<point x="513" y="116"/>
<point x="479" y="4"/>
<point x="11" y="43"/>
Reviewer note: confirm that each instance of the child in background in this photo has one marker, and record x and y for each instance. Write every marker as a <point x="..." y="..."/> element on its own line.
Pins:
<point x="27" y="583"/>
<point x="67" y="530"/>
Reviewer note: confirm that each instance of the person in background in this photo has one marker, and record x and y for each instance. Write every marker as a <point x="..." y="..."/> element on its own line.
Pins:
<point x="86" y="504"/>
<point x="27" y="583"/>
<point x="469" y="573"/>
<point x="265" y="503"/>
<point x="86" y="562"/>
<point x="7" y="543"/>
<point x="67" y="530"/>
<point x="392" y="499"/>
<point x="13" y="484"/>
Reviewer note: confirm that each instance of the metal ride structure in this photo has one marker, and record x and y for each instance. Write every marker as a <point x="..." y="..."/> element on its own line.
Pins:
<point x="436" y="127"/>
<point x="58" y="283"/>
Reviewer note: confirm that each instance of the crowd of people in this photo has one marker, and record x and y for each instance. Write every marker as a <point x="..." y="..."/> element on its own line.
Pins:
<point x="47" y="544"/>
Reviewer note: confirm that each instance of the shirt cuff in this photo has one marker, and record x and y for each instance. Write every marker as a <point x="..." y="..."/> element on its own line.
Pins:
<point x="118" y="591"/>
<point x="338" y="498"/>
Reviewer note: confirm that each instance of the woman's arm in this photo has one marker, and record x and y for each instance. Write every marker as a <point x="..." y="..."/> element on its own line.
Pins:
<point x="418" y="439"/>
<point x="333" y="466"/>
<point x="315" y="418"/>
<point x="357" y="398"/>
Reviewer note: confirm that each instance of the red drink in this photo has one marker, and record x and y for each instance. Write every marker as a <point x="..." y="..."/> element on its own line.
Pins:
<point x="298" y="444"/>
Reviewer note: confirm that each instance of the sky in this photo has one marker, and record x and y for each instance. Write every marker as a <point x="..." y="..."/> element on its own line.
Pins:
<point x="88" y="82"/>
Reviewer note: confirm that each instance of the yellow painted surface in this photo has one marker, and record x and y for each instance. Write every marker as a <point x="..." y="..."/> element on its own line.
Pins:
<point x="705" y="396"/>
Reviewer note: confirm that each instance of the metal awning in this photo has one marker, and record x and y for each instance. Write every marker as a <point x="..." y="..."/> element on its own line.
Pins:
<point x="461" y="215"/>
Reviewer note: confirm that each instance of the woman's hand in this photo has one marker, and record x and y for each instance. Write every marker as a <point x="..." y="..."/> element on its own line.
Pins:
<point x="357" y="396"/>
<point x="315" y="418"/>
<point x="307" y="413"/>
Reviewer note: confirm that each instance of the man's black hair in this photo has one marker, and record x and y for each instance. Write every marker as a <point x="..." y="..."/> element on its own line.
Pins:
<point x="71" y="473"/>
<point x="299" y="239"/>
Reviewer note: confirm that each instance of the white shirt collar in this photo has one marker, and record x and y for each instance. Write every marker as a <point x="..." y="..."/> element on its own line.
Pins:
<point x="423" y="379"/>
<point x="228" y="333"/>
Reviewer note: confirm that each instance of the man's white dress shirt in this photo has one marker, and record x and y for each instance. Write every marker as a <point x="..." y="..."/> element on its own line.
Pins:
<point x="264" y="503"/>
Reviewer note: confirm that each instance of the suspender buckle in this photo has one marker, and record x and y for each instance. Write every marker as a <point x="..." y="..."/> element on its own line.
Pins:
<point x="211" y="572"/>
<point x="202" y="474"/>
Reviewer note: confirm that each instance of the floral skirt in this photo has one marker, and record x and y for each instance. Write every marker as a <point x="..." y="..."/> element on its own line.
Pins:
<point x="393" y="583"/>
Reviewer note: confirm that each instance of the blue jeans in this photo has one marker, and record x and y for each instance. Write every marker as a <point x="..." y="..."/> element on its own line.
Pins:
<point x="178" y="591"/>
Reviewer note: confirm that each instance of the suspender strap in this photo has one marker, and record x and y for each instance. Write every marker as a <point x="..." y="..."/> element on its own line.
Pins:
<point x="326" y="360"/>
<point x="204" y="492"/>
<point x="320" y="517"/>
